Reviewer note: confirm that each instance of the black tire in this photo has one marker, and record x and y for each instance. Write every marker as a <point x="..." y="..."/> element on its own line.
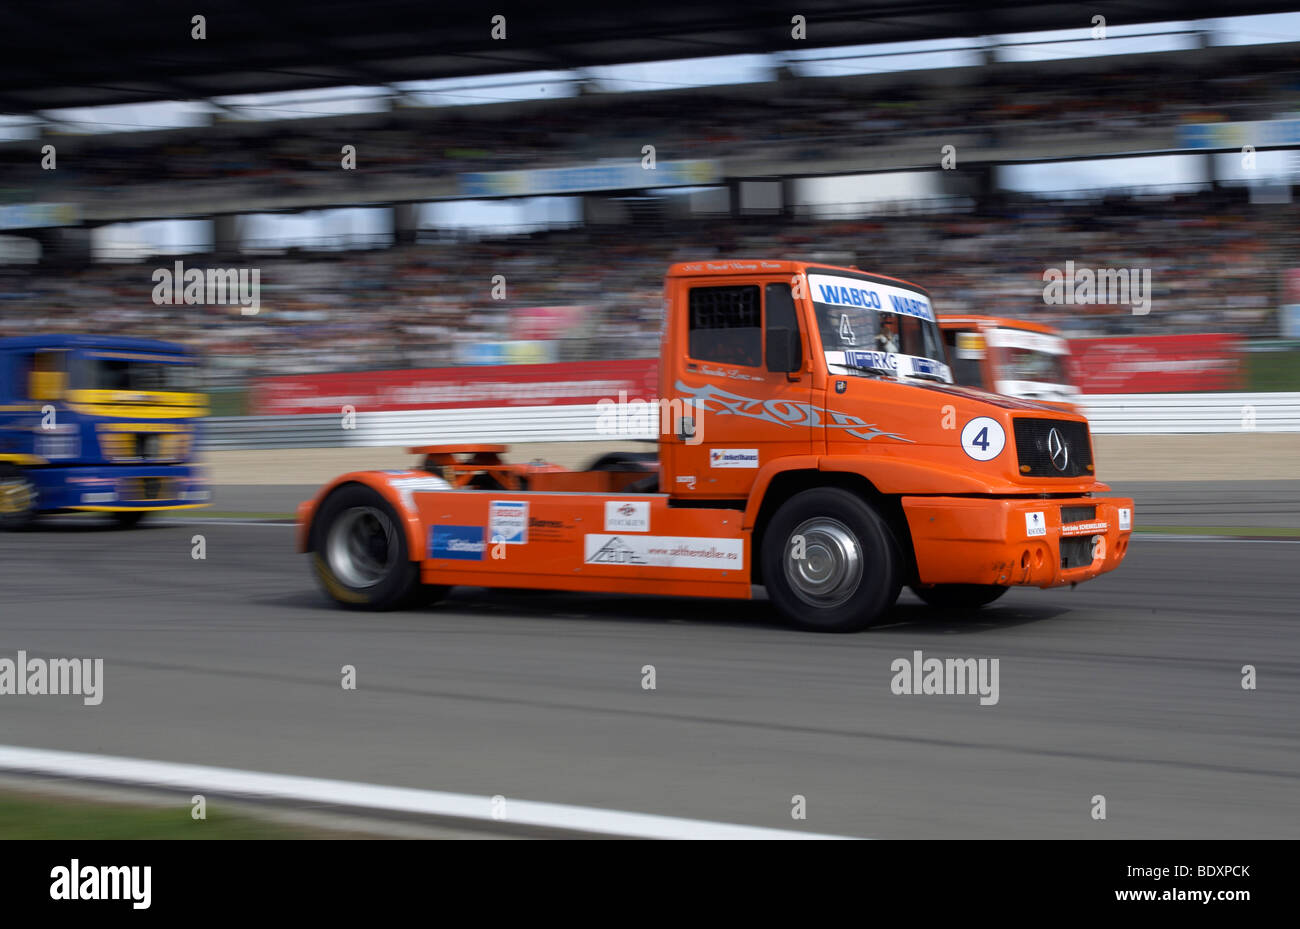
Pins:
<point x="360" y="556"/>
<point x="17" y="499"/>
<point x="625" y="461"/>
<point x="129" y="519"/>
<point x="959" y="596"/>
<point x="823" y="591"/>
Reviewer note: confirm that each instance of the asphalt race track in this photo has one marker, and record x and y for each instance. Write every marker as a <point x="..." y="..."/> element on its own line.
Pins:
<point x="1128" y="687"/>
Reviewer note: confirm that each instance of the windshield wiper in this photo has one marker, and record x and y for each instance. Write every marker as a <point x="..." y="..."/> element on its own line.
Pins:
<point x="928" y="376"/>
<point x="878" y="372"/>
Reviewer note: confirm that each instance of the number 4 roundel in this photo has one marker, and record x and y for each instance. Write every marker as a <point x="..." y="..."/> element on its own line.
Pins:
<point x="983" y="438"/>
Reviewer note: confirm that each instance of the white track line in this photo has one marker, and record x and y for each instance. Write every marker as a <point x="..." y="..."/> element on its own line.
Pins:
<point x="232" y="782"/>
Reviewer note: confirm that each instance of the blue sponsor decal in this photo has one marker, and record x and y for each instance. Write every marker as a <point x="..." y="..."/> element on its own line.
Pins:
<point x="872" y="360"/>
<point x="461" y="542"/>
<point x="926" y="366"/>
<point x="910" y="306"/>
<point x="850" y="296"/>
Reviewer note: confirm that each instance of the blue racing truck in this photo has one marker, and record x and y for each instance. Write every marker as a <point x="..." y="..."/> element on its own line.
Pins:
<point x="99" y="424"/>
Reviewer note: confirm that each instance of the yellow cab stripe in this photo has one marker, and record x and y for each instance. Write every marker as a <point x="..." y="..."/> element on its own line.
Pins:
<point x="155" y="404"/>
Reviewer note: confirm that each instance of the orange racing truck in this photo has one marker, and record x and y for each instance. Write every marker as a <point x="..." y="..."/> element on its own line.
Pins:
<point x="816" y="447"/>
<point x="1015" y="357"/>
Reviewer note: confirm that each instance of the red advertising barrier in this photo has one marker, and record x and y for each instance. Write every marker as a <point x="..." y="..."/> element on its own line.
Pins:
<point x="1157" y="363"/>
<point x="457" y="388"/>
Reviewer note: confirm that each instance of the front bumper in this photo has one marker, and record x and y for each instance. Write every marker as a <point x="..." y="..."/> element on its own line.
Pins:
<point x="117" y="488"/>
<point x="1034" y="542"/>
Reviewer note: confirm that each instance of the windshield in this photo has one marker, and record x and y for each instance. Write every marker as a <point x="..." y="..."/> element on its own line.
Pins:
<point x="868" y="326"/>
<point x="105" y="372"/>
<point x="1025" y="364"/>
<point x="1031" y="356"/>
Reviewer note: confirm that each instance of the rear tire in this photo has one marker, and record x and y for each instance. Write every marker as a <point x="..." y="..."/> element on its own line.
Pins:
<point x="625" y="461"/>
<point x="129" y="519"/>
<point x="851" y="566"/>
<point x="17" y="499"/>
<point x="959" y="596"/>
<point x="360" y="556"/>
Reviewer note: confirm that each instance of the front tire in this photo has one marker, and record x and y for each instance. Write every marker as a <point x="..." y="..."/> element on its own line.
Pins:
<point x="17" y="499"/>
<point x="830" y="562"/>
<point x="959" y="596"/>
<point x="129" y="519"/>
<point x="360" y="556"/>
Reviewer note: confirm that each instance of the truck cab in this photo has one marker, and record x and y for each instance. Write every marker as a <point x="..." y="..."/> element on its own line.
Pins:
<point x="1011" y="356"/>
<point x="97" y="424"/>
<point x="817" y="447"/>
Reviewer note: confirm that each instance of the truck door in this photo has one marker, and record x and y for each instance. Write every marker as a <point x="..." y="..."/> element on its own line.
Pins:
<point x="743" y="404"/>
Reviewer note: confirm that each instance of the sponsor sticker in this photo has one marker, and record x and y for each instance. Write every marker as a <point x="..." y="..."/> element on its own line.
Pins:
<point x="835" y="290"/>
<point x="873" y="359"/>
<point x="464" y="543"/>
<point x="664" y="551"/>
<point x="627" y="516"/>
<point x="1125" y="519"/>
<point x="1084" y="529"/>
<point x="1035" y="524"/>
<point x="547" y="530"/>
<point x="1030" y="341"/>
<point x="890" y="361"/>
<point x="406" y="487"/>
<point x="508" y="521"/>
<point x="733" y="458"/>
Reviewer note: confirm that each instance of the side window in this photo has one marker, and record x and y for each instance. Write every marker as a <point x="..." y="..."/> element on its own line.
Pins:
<point x="726" y="325"/>
<point x="781" y="315"/>
<point x="966" y="370"/>
<point x="20" y="369"/>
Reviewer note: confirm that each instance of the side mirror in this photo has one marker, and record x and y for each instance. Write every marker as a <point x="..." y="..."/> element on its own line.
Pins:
<point x="784" y="350"/>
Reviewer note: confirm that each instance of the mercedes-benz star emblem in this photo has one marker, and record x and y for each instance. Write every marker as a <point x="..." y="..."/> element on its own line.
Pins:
<point x="1058" y="450"/>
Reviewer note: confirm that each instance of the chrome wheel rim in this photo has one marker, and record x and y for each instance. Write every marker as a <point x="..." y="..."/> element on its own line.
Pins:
<point x="361" y="547"/>
<point x="830" y="568"/>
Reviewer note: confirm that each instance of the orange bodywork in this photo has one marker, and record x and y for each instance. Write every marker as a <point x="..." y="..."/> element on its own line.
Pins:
<point x="964" y="469"/>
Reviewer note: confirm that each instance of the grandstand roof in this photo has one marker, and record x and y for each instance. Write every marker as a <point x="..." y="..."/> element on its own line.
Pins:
<point x="64" y="53"/>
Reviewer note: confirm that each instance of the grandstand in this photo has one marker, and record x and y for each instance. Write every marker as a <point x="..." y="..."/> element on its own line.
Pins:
<point x="412" y="291"/>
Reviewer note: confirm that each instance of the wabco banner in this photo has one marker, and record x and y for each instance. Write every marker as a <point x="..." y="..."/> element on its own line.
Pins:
<point x="457" y="388"/>
<point x="868" y="295"/>
<point x="1156" y="364"/>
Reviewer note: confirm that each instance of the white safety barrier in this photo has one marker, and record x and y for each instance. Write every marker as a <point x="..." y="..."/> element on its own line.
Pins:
<point x="1170" y="414"/>
<point x="1109" y="414"/>
<point x="467" y="809"/>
